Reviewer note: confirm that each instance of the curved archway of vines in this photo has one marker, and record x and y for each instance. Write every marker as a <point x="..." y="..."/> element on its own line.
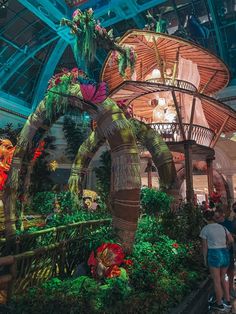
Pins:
<point x="148" y="138"/>
<point x="111" y="126"/>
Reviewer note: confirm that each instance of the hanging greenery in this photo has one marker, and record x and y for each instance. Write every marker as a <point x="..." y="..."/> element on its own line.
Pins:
<point x="76" y="130"/>
<point x="58" y="84"/>
<point x="90" y="35"/>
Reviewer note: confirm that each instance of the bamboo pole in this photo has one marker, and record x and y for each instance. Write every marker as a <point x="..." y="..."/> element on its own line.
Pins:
<point x="188" y="171"/>
<point x="219" y="132"/>
<point x="159" y="60"/>
<point x="191" y="118"/>
<point x="208" y="82"/>
<point x="175" y="68"/>
<point x="178" y="114"/>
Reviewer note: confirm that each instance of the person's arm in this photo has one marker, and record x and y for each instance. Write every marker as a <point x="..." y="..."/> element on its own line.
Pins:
<point x="230" y="237"/>
<point x="204" y="251"/>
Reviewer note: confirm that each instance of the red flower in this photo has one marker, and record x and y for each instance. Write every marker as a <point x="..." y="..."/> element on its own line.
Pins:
<point x="57" y="81"/>
<point x="113" y="272"/>
<point x="39" y="150"/>
<point x="215" y="197"/>
<point x="3" y="178"/>
<point x="111" y="253"/>
<point x="92" y="260"/>
<point x="128" y="262"/>
<point x="175" y="245"/>
<point x="106" y="260"/>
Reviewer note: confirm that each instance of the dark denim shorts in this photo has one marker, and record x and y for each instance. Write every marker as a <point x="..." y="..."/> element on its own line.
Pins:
<point x="218" y="258"/>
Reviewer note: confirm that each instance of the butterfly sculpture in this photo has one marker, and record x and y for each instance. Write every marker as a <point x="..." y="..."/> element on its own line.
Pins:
<point x="92" y="91"/>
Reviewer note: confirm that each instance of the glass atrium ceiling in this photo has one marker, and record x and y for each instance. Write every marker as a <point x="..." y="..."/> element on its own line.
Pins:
<point x="33" y="45"/>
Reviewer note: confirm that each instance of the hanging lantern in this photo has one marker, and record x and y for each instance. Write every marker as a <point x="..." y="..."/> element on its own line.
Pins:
<point x="156" y="74"/>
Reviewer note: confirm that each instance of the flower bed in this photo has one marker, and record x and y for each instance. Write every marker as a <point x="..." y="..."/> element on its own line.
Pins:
<point x="156" y="277"/>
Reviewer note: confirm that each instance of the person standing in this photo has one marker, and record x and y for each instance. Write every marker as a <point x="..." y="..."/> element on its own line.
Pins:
<point x="216" y="257"/>
<point x="222" y="217"/>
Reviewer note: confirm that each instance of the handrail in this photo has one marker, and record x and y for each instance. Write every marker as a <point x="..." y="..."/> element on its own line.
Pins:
<point x="177" y="83"/>
<point x="59" y="257"/>
<point x="171" y="133"/>
<point x="30" y="241"/>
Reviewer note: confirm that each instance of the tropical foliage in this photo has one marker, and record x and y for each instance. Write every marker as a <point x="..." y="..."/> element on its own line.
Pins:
<point x="154" y="201"/>
<point x="9" y="132"/>
<point x="76" y="130"/>
<point x="159" y="273"/>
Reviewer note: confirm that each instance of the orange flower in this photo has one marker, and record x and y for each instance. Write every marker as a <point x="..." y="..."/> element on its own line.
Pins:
<point x="113" y="272"/>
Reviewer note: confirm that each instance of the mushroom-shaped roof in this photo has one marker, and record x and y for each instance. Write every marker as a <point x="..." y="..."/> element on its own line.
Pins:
<point x="213" y="72"/>
<point x="219" y="116"/>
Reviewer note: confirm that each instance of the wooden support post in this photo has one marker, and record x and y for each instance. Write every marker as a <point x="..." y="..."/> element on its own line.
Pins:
<point x="219" y="132"/>
<point x="189" y="171"/>
<point x="175" y="67"/>
<point x="149" y="172"/>
<point x="179" y="115"/>
<point x="191" y="118"/>
<point x="209" y="162"/>
<point x="208" y="82"/>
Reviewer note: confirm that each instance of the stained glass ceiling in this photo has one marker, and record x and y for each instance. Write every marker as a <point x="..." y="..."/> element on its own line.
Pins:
<point x="33" y="45"/>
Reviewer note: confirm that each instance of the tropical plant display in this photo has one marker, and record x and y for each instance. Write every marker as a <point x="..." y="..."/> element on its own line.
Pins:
<point x="58" y="209"/>
<point x="185" y="224"/>
<point x="155" y="277"/>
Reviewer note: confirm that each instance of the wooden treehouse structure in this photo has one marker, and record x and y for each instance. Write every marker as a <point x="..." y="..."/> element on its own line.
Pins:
<point x="171" y="89"/>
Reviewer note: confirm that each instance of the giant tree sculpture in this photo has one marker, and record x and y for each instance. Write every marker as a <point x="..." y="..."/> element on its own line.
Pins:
<point x="67" y="91"/>
<point x="111" y="126"/>
<point x="146" y="136"/>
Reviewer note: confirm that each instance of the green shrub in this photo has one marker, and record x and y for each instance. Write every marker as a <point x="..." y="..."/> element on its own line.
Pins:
<point x="43" y="202"/>
<point x="154" y="201"/>
<point x="148" y="229"/>
<point x="184" y="224"/>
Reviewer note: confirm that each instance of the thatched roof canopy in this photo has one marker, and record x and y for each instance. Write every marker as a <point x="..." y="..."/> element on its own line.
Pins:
<point x="213" y="72"/>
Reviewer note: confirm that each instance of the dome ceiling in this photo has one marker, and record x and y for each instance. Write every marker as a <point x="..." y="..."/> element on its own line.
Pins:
<point x="33" y="45"/>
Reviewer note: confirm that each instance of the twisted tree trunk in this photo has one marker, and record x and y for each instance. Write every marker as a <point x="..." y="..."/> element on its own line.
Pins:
<point x="160" y="152"/>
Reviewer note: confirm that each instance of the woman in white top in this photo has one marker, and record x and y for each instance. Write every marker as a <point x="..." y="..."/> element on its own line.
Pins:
<point x="216" y="256"/>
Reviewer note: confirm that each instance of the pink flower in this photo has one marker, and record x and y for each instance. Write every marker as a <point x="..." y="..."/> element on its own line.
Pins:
<point x="57" y="81"/>
<point x="76" y="13"/>
<point x="98" y="28"/>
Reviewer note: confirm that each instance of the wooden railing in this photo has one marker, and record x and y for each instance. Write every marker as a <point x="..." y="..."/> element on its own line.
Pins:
<point x="47" y="253"/>
<point x="176" y="83"/>
<point x="171" y="133"/>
